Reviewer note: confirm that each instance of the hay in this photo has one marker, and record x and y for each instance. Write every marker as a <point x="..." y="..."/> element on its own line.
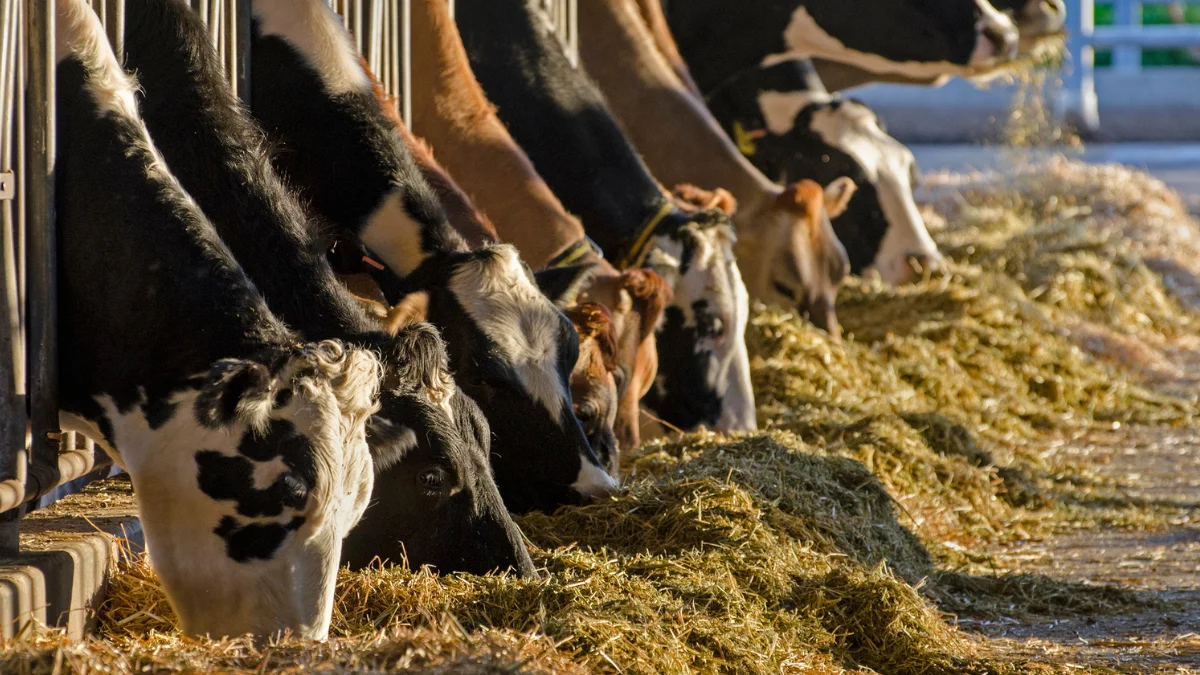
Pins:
<point x="813" y="546"/>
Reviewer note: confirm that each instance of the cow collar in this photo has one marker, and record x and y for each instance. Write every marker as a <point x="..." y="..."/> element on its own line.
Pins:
<point x="574" y="253"/>
<point x="641" y="243"/>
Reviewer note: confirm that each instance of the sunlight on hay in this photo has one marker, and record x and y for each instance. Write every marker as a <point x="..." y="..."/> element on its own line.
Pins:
<point x="887" y="464"/>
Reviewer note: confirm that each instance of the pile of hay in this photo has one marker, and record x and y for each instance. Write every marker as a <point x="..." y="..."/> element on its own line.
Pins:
<point x="813" y="546"/>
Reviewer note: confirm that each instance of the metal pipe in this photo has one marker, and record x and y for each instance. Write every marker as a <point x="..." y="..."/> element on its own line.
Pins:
<point x="12" y="407"/>
<point x="42" y="294"/>
<point x="115" y="23"/>
<point x="242" y="77"/>
<point x="406" y="62"/>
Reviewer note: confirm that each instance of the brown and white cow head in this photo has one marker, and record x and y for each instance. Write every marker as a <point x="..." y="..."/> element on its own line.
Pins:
<point x="594" y="383"/>
<point x="703" y="366"/>
<point x="636" y="300"/>
<point x="794" y="258"/>
<point x="247" y="482"/>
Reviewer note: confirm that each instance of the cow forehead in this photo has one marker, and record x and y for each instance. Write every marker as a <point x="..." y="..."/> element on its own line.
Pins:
<point x="500" y="297"/>
<point x="859" y="136"/>
<point x="698" y="265"/>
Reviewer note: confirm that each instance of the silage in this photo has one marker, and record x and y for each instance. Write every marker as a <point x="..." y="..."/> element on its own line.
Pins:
<point x="804" y="548"/>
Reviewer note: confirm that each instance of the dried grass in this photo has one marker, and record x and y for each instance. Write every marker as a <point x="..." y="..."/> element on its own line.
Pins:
<point x="804" y="548"/>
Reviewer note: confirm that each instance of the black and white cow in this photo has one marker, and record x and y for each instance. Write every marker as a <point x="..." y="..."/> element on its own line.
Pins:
<point x="247" y="448"/>
<point x="913" y="38"/>
<point x="1038" y="23"/>
<point x="785" y="122"/>
<point x="510" y="348"/>
<point x="435" y="496"/>
<point x="560" y="119"/>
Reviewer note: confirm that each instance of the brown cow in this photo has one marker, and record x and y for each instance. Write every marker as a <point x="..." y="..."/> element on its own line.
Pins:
<point x="454" y="115"/>
<point x="683" y="143"/>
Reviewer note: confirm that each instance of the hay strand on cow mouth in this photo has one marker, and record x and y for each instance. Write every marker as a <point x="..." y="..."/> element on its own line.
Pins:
<point x="815" y="545"/>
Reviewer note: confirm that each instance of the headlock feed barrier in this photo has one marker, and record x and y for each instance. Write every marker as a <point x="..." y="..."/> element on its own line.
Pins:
<point x="39" y="462"/>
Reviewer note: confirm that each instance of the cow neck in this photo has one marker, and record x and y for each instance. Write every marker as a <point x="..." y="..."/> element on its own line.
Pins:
<point x="173" y="298"/>
<point x="672" y="130"/>
<point x="455" y="116"/>
<point x="336" y="143"/>
<point x="561" y="121"/>
<point x="217" y="153"/>
<point x="720" y="39"/>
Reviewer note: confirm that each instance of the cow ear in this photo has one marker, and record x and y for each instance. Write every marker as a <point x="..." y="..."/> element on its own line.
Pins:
<point x="234" y="390"/>
<point x="838" y="194"/>
<point x="564" y="284"/>
<point x="411" y="309"/>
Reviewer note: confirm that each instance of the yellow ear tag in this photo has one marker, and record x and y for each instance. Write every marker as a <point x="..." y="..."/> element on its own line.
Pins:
<point x="744" y="140"/>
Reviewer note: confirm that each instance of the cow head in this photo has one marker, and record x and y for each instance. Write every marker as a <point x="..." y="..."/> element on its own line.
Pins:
<point x="512" y="351"/>
<point x="435" y="501"/>
<point x="703" y="365"/>
<point x="919" y="38"/>
<point x="1035" y="19"/>
<point x="824" y="138"/>
<point x="247" y="481"/>
<point x="594" y="382"/>
<point x="636" y="300"/>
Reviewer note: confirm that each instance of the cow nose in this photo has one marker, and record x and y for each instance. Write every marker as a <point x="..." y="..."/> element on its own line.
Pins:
<point x="823" y="314"/>
<point x="1048" y="15"/>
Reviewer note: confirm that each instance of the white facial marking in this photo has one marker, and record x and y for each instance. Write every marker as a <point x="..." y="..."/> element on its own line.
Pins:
<point x="804" y="37"/>
<point x="779" y="108"/>
<point x="393" y="235"/>
<point x="887" y="164"/>
<point x="502" y="299"/>
<point x="593" y="482"/>
<point x="713" y="276"/>
<point x="991" y="21"/>
<point x="316" y="32"/>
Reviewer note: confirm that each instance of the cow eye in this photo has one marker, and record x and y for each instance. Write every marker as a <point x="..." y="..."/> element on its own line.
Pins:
<point x="434" y="480"/>
<point x="586" y="412"/>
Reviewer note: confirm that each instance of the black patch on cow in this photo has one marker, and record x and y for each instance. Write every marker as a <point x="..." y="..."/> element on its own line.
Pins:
<point x="254" y="541"/>
<point x="228" y="382"/>
<point x="227" y="478"/>
<point x="283" y="397"/>
<point x="158" y="411"/>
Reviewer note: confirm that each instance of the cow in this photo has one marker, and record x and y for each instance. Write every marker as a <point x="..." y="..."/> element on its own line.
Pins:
<point x="435" y="497"/>
<point x="913" y="38"/>
<point x="789" y="127"/>
<point x="791" y="256"/>
<point x="246" y="446"/>
<point x="594" y="387"/>
<point x="563" y="124"/>
<point x="453" y="113"/>
<point x="1039" y="23"/>
<point x="510" y="349"/>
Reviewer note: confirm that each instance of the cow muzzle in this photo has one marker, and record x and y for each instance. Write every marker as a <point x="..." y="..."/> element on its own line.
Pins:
<point x="998" y="38"/>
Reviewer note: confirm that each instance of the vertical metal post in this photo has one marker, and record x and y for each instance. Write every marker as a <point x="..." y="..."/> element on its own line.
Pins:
<point x="451" y="3"/>
<point x="42" y="292"/>
<point x="1078" y="102"/>
<point x="1127" y="58"/>
<point x="115" y="23"/>
<point x="405" y="61"/>
<point x="241" y="76"/>
<point x="13" y="457"/>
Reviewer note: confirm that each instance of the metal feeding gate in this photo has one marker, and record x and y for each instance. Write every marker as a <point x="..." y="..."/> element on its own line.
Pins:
<point x="38" y="462"/>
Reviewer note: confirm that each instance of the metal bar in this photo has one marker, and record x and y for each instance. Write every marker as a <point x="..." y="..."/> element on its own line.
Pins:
<point x="115" y="23"/>
<point x="1126" y="14"/>
<point x="12" y="407"/>
<point x="406" y="62"/>
<point x="242" y="79"/>
<point x="1077" y="101"/>
<point x="1146" y="37"/>
<point x="41" y="294"/>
